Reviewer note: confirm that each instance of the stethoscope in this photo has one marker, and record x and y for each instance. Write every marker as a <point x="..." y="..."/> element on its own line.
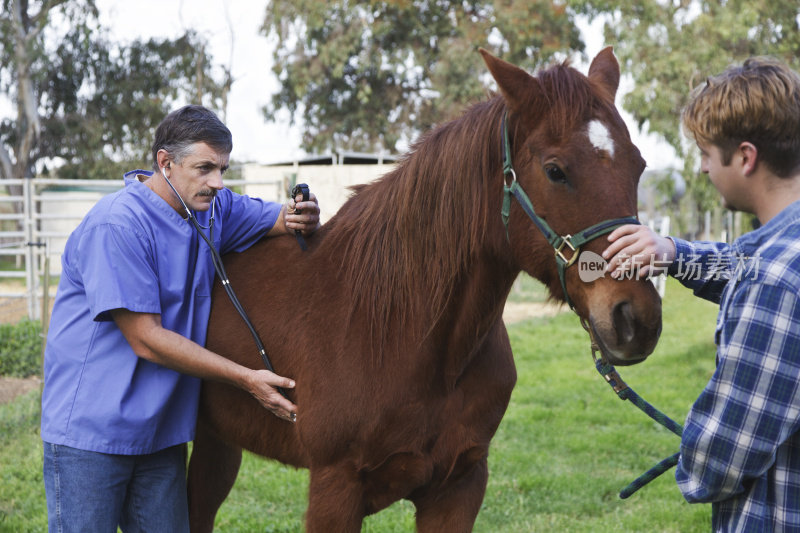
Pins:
<point x="220" y="269"/>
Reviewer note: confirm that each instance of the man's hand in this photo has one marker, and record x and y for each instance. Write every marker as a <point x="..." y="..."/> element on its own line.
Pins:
<point x="637" y="247"/>
<point x="263" y="385"/>
<point x="300" y="215"/>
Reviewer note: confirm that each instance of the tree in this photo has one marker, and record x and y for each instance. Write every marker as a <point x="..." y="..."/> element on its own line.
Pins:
<point x="366" y="75"/>
<point x="669" y="47"/>
<point x="86" y="105"/>
<point x="134" y="87"/>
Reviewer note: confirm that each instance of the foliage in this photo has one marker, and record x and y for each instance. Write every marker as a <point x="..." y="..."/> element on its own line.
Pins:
<point x="670" y="47"/>
<point x="21" y="348"/>
<point x="136" y="85"/>
<point x="366" y="75"/>
<point x="84" y="100"/>
<point x="565" y="448"/>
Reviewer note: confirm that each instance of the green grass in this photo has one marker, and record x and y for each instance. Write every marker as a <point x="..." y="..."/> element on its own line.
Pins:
<point x="22" y="503"/>
<point x="564" y="450"/>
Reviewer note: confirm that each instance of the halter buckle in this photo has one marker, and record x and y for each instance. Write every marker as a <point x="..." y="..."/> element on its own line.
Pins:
<point x="566" y="242"/>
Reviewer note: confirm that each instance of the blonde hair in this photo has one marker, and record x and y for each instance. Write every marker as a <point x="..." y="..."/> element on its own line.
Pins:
<point x="758" y="102"/>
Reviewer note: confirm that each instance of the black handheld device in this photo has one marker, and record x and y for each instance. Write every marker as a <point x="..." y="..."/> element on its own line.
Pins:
<point x="300" y="188"/>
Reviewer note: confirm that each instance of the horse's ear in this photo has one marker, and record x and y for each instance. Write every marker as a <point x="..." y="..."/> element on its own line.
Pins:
<point x="517" y="86"/>
<point x="605" y="71"/>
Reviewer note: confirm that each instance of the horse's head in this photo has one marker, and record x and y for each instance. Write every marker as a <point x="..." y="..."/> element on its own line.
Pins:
<point x="570" y="154"/>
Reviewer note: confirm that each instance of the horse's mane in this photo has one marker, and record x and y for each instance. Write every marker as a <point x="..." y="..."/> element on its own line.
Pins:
<point x="406" y="238"/>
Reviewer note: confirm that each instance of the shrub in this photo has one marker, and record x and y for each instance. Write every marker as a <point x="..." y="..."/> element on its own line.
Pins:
<point x="21" y="348"/>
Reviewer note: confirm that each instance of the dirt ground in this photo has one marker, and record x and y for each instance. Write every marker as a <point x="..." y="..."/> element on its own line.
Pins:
<point x="12" y="310"/>
<point x="10" y="388"/>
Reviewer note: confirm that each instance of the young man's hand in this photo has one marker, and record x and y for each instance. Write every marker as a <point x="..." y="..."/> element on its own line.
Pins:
<point x="637" y="249"/>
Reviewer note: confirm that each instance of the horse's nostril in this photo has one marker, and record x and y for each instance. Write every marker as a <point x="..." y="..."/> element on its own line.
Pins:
<point x="624" y="323"/>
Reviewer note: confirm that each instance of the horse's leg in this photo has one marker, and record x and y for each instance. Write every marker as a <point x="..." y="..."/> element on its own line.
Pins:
<point x="212" y="471"/>
<point x="453" y="507"/>
<point x="335" y="501"/>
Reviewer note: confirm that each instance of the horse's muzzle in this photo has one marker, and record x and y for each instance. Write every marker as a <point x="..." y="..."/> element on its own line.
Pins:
<point x="628" y="337"/>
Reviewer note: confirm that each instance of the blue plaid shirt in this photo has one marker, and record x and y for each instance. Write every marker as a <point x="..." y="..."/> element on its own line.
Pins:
<point x="741" y="446"/>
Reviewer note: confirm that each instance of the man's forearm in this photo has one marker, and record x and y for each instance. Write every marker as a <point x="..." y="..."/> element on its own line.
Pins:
<point x="151" y="341"/>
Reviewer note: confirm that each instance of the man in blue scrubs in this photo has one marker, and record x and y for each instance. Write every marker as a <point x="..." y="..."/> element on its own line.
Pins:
<point x="125" y="351"/>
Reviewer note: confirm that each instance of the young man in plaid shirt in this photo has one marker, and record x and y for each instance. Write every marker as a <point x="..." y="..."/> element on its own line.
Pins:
<point x="740" y="448"/>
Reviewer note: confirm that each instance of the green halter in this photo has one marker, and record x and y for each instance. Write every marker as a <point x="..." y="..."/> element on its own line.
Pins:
<point x="571" y="242"/>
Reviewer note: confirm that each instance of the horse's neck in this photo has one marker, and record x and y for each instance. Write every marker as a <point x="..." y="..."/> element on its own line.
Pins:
<point x="473" y="311"/>
<point x="419" y="247"/>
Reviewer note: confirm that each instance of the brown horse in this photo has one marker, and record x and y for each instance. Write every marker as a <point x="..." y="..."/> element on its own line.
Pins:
<point x="391" y="323"/>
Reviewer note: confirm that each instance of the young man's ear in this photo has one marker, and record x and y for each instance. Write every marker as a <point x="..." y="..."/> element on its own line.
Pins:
<point x="749" y="157"/>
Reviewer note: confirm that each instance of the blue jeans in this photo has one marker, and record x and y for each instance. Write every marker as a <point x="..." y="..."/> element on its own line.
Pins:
<point x="90" y="491"/>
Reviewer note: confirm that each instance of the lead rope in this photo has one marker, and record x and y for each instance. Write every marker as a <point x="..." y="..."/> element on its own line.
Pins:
<point x="624" y="392"/>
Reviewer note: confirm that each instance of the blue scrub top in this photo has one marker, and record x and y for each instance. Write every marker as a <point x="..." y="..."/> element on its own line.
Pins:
<point x="134" y="251"/>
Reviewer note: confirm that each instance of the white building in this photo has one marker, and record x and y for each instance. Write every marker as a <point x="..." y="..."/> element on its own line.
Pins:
<point x="328" y="177"/>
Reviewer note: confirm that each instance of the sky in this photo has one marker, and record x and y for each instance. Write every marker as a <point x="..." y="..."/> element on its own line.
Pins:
<point x="232" y="30"/>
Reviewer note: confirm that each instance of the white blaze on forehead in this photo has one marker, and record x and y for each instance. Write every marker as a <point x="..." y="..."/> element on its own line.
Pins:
<point x="600" y="137"/>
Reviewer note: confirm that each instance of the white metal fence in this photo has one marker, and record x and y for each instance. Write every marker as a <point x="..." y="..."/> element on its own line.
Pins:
<point x="34" y="227"/>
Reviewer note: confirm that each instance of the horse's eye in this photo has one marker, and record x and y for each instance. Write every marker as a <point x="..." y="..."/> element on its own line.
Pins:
<point x="555" y="174"/>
